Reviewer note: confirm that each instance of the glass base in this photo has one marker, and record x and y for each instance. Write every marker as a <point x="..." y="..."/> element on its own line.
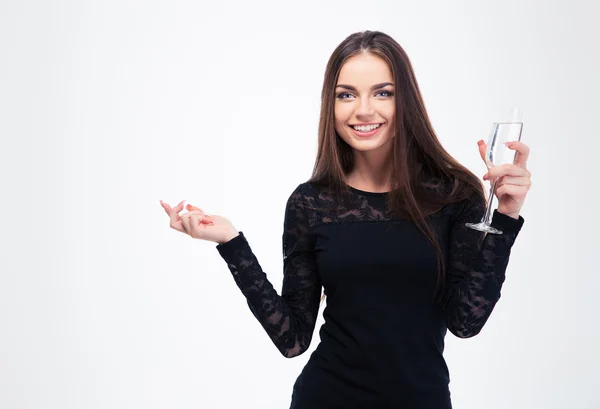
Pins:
<point x="483" y="227"/>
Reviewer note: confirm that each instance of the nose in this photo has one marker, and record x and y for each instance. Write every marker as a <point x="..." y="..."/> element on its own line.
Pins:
<point x="365" y="109"/>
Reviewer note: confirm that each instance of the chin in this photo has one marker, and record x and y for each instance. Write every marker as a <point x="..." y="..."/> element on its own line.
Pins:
<point x="366" y="145"/>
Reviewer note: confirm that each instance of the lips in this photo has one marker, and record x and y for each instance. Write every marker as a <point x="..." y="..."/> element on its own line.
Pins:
<point x="365" y="131"/>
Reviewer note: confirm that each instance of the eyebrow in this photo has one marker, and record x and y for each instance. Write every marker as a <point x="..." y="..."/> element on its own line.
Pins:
<point x="374" y="87"/>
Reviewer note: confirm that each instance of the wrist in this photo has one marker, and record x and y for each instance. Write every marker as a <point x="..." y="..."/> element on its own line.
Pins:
<point x="229" y="237"/>
<point x="513" y="215"/>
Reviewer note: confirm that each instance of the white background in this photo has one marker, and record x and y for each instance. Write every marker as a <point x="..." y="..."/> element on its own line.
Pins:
<point x="106" y="107"/>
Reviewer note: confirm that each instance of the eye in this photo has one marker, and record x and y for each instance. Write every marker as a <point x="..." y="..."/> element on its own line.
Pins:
<point x="343" y="95"/>
<point x="385" y="93"/>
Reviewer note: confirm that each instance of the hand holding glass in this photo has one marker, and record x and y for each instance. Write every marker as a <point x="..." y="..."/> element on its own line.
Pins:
<point x="496" y="154"/>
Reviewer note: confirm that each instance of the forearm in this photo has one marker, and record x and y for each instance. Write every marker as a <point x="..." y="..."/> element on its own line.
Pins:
<point x="288" y="320"/>
<point x="472" y="299"/>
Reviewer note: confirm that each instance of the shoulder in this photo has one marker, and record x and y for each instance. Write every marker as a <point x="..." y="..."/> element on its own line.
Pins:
<point x="313" y="202"/>
<point x="302" y="192"/>
<point x="304" y="189"/>
<point x="313" y="192"/>
<point x="305" y="195"/>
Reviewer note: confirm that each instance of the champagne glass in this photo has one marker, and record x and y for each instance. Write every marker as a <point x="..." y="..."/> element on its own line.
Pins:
<point x="496" y="154"/>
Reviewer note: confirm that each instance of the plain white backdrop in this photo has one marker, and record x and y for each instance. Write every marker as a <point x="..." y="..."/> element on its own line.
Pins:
<point x="107" y="107"/>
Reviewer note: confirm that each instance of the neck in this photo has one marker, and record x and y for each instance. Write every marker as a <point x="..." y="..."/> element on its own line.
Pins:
<point x="371" y="171"/>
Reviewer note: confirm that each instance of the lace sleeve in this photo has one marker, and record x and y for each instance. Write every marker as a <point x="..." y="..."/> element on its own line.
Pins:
<point x="477" y="264"/>
<point x="289" y="319"/>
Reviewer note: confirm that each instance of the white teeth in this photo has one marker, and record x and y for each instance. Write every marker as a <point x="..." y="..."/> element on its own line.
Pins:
<point x="366" y="128"/>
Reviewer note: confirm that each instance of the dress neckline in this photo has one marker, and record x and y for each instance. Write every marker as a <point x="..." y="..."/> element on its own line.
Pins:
<point x="365" y="193"/>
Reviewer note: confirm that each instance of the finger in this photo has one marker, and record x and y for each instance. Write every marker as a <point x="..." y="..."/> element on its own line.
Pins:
<point x="166" y="207"/>
<point x="200" y="212"/>
<point x="174" y="213"/>
<point x="178" y="225"/>
<point x="506" y="170"/>
<point x="185" y="219"/>
<point x="514" y="180"/>
<point x="190" y="208"/>
<point x="482" y="148"/>
<point x="198" y="222"/>
<point x="522" y="152"/>
<point x="517" y="192"/>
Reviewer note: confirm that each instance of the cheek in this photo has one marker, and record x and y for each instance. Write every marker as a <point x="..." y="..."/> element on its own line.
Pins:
<point x="388" y="111"/>
<point x="338" y="120"/>
<point x="342" y="114"/>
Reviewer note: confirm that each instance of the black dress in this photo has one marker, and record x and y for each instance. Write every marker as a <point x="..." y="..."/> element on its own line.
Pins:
<point x="383" y="336"/>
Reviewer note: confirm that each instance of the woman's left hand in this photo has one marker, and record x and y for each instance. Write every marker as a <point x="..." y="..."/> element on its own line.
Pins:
<point x="515" y="179"/>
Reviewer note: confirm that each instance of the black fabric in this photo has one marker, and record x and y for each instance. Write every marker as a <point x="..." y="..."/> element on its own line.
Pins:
<point x="383" y="337"/>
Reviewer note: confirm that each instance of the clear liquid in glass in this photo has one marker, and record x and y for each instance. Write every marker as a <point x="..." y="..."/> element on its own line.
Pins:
<point x="497" y="152"/>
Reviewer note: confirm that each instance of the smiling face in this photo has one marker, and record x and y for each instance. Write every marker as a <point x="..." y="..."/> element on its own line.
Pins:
<point x="365" y="103"/>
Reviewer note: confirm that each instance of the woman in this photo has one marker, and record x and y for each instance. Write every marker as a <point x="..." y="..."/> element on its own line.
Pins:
<point x="381" y="227"/>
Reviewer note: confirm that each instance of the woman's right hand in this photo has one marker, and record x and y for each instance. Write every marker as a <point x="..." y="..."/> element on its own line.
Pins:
<point x="199" y="225"/>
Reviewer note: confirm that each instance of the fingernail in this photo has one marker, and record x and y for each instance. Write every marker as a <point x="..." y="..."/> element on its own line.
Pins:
<point x="480" y="142"/>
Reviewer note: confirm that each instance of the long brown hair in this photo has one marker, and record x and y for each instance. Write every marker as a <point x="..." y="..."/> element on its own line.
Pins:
<point x="418" y="158"/>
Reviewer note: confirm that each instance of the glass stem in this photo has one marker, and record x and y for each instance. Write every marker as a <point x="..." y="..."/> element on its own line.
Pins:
<point x="488" y="211"/>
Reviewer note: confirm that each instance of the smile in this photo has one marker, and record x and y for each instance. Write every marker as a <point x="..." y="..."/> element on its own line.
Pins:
<point x="366" y="130"/>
